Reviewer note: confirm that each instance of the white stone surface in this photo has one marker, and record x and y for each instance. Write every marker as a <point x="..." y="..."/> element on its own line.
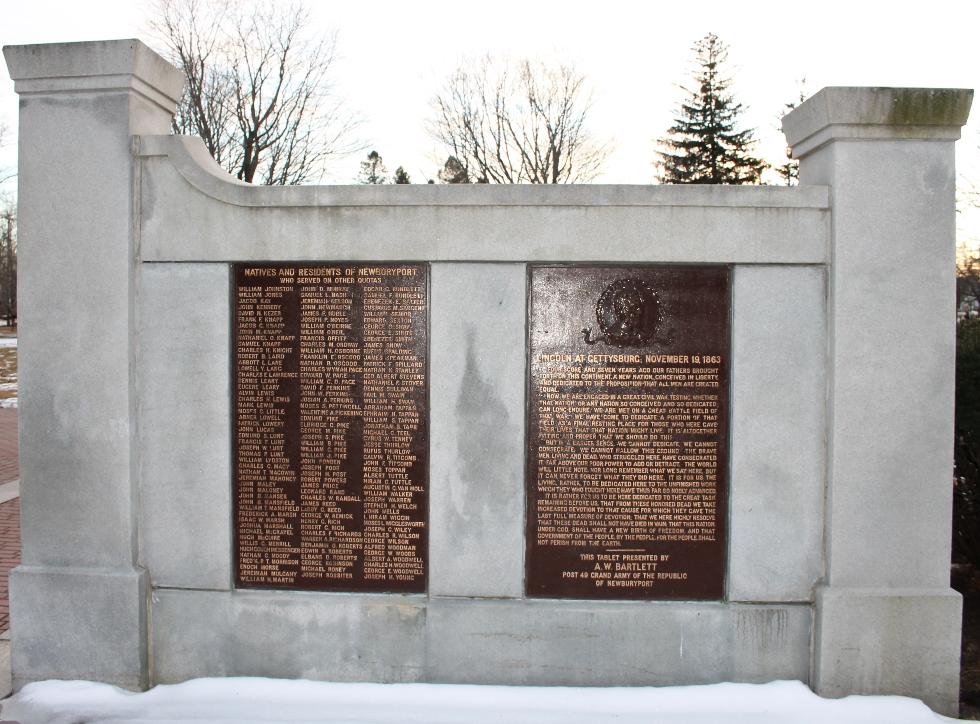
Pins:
<point x="74" y="623"/>
<point x="889" y="641"/>
<point x="476" y="476"/>
<point x="74" y="264"/>
<point x="892" y="363"/>
<point x="190" y="214"/>
<point x="100" y="66"/>
<point x="608" y="643"/>
<point x="887" y="155"/>
<point x="335" y="637"/>
<point x="184" y="424"/>
<point x="778" y="419"/>
<point x="343" y="637"/>
<point x="75" y="260"/>
<point x="78" y="603"/>
<point x="838" y="113"/>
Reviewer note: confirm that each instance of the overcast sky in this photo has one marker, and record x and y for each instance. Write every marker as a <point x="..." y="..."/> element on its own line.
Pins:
<point x="394" y="56"/>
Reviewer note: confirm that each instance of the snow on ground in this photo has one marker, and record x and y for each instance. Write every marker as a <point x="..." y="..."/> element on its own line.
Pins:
<point x="255" y="701"/>
<point x="8" y="372"/>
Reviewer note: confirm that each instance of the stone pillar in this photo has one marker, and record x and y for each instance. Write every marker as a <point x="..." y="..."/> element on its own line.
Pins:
<point x="887" y="621"/>
<point x="78" y="601"/>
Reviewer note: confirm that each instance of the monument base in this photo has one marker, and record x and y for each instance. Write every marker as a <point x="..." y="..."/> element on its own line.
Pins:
<point x="457" y="640"/>
<point x="889" y="641"/>
<point x="79" y="624"/>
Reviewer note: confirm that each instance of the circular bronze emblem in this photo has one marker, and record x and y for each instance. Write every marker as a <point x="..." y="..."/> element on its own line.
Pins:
<point x="628" y="312"/>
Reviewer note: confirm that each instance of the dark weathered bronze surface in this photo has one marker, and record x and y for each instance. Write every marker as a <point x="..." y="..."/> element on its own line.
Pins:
<point x="330" y="426"/>
<point x="628" y="395"/>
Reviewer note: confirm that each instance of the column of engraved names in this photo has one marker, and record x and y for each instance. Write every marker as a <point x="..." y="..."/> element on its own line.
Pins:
<point x="628" y="452"/>
<point x="267" y="513"/>
<point x="394" y="375"/>
<point x="330" y="367"/>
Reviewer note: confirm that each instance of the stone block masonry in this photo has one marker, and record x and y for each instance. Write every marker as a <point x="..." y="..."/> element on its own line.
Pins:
<point x="835" y="570"/>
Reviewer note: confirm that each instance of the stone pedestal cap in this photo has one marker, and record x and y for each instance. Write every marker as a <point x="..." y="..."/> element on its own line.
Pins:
<point x="94" y="66"/>
<point x="876" y="113"/>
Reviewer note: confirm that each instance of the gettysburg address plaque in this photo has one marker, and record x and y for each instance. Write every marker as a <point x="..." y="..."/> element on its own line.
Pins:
<point x="628" y="431"/>
<point x="330" y="429"/>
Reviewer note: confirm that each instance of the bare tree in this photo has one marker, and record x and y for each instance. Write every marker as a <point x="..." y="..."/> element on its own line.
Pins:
<point x="523" y="123"/>
<point x="258" y="89"/>
<point x="5" y="173"/>
<point x="191" y="31"/>
<point x="8" y="266"/>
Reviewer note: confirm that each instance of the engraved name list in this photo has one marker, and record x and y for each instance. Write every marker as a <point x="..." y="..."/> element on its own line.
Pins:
<point x="330" y="428"/>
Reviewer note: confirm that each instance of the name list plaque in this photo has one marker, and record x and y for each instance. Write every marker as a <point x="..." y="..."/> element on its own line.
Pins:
<point x="627" y="459"/>
<point x="330" y="426"/>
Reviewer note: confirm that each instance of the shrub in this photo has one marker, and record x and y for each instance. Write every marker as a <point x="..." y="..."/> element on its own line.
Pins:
<point x="966" y="483"/>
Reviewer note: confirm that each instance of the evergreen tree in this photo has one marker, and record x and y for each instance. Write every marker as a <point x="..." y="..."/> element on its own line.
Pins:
<point x="789" y="171"/>
<point x="704" y="146"/>
<point x="454" y="172"/>
<point x="401" y="176"/>
<point x="373" y="170"/>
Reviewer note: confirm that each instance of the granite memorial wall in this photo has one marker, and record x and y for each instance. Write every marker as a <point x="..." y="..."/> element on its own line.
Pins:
<point x="589" y="435"/>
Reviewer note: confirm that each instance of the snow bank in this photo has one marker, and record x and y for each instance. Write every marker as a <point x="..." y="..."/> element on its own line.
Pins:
<point x="247" y="700"/>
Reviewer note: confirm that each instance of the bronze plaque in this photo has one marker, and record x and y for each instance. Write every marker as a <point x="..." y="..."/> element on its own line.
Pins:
<point x="330" y="426"/>
<point x="628" y="431"/>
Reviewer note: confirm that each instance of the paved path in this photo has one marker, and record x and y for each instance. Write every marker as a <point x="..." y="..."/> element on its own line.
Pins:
<point x="8" y="445"/>
<point x="9" y="507"/>
<point x="9" y="553"/>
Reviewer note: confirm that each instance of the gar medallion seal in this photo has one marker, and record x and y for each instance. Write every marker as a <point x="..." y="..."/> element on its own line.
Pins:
<point x="628" y="313"/>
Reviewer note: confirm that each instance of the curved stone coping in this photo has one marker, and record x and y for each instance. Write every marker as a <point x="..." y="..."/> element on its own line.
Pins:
<point x="191" y="159"/>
